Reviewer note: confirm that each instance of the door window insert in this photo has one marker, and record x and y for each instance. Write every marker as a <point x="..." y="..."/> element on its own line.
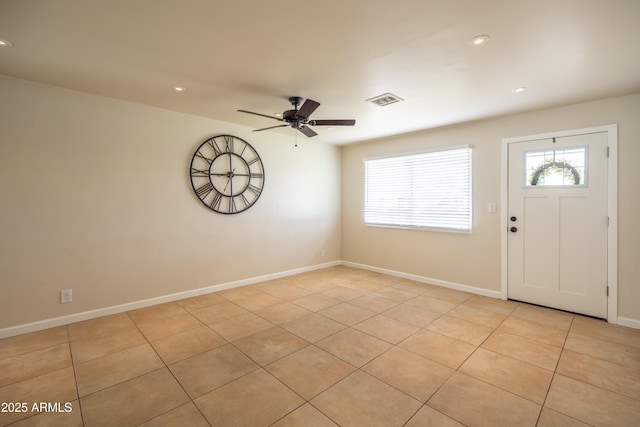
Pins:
<point x="563" y="167"/>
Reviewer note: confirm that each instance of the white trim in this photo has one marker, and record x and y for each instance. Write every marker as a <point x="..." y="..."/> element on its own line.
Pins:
<point x="92" y="314"/>
<point x="429" y="280"/>
<point x="612" y="191"/>
<point x="630" y="323"/>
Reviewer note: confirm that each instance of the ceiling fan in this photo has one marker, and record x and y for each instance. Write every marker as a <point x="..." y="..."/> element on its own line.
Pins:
<point x="299" y="118"/>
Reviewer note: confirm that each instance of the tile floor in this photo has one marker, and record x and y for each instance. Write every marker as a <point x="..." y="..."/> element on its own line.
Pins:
<point x="339" y="346"/>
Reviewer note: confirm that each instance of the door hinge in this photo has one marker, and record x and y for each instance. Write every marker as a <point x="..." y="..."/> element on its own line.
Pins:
<point x="607" y="290"/>
<point x="607" y="151"/>
<point x="607" y="222"/>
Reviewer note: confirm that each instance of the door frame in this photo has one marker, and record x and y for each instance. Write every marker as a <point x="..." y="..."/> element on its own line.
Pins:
<point x="612" y="208"/>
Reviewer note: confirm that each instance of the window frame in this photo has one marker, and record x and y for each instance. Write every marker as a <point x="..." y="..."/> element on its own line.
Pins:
<point x="468" y="230"/>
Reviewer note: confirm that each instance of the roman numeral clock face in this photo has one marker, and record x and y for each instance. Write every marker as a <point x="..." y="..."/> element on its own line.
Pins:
<point x="227" y="174"/>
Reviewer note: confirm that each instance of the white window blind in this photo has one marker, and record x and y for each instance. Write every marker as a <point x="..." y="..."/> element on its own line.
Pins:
<point x="430" y="189"/>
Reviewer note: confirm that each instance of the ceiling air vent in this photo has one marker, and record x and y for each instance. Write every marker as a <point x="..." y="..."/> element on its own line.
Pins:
<point x="385" y="99"/>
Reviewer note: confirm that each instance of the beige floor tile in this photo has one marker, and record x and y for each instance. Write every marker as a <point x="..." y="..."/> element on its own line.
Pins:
<point x="219" y="312"/>
<point x="33" y="364"/>
<point x="258" y="301"/>
<point x="236" y="404"/>
<point x="286" y="292"/>
<point x="310" y="371"/>
<point x="440" y="348"/>
<point x="413" y="286"/>
<point x="343" y="293"/>
<point x="99" y="326"/>
<point x="412" y="374"/>
<point x="282" y="313"/>
<point x="365" y="285"/>
<point x="200" y="301"/>
<point x="207" y="371"/>
<point x="347" y="314"/>
<point x="590" y="404"/>
<point x="318" y="285"/>
<point x="492" y="304"/>
<point x="362" y="400"/>
<point x="551" y="418"/>
<point x="386" y="328"/>
<point x="181" y="346"/>
<point x="68" y="415"/>
<point x="241" y="326"/>
<point x="543" y="355"/>
<point x="432" y="304"/>
<point x="476" y="403"/>
<point x="459" y="329"/>
<point x="185" y="415"/>
<point x="535" y="331"/>
<point x="374" y="302"/>
<point x="447" y="294"/>
<point x="620" y="354"/>
<point x="240" y="292"/>
<point x="56" y="386"/>
<point x="103" y="372"/>
<point x="520" y="378"/>
<point x="270" y="345"/>
<point x="477" y="315"/>
<point x="313" y="327"/>
<point x="315" y="302"/>
<point x="135" y="401"/>
<point x="156" y="312"/>
<point x="160" y="328"/>
<point x="411" y="314"/>
<point x="305" y="416"/>
<point x="606" y="331"/>
<point x="429" y="417"/>
<point x="354" y="347"/>
<point x="15" y="346"/>
<point x="606" y="375"/>
<point x="109" y="343"/>
<point x="544" y="316"/>
<point x="395" y="294"/>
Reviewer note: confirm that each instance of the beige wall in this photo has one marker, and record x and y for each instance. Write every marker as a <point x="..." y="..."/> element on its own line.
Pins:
<point x="474" y="259"/>
<point x="96" y="197"/>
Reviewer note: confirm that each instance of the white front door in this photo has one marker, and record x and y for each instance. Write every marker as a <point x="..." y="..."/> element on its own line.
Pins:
<point x="557" y="221"/>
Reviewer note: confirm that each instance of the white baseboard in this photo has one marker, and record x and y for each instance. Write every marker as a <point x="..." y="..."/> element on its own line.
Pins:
<point x="92" y="314"/>
<point x="631" y="323"/>
<point x="422" y="279"/>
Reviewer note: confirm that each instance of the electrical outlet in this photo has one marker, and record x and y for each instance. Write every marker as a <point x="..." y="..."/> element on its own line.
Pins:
<point x="65" y="296"/>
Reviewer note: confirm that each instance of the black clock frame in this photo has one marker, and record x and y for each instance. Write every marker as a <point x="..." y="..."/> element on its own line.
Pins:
<point x="218" y="163"/>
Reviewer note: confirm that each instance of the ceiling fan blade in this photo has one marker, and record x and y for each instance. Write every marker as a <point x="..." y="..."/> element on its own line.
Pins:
<point x="332" y="122"/>
<point x="258" y="114"/>
<point x="307" y="131"/>
<point x="270" y="127"/>
<point x="307" y="108"/>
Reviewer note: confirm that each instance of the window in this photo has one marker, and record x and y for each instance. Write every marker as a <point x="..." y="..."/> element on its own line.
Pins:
<point x="557" y="168"/>
<point x="430" y="189"/>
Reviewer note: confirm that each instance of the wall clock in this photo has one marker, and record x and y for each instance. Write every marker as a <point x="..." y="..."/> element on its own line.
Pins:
<point x="227" y="174"/>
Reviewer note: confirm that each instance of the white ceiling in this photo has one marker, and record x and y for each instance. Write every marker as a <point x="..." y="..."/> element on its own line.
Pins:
<point x="253" y="55"/>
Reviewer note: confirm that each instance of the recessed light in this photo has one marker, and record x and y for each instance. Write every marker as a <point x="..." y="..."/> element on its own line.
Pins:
<point x="479" y="40"/>
<point x="179" y="88"/>
<point x="519" y="89"/>
<point x="5" y="43"/>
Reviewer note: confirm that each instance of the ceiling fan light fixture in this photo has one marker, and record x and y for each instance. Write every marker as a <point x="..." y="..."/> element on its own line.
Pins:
<point x="5" y="43"/>
<point x="385" y="99"/>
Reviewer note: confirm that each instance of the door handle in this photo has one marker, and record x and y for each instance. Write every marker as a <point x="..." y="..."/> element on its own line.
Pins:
<point x="513" y="229"/>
